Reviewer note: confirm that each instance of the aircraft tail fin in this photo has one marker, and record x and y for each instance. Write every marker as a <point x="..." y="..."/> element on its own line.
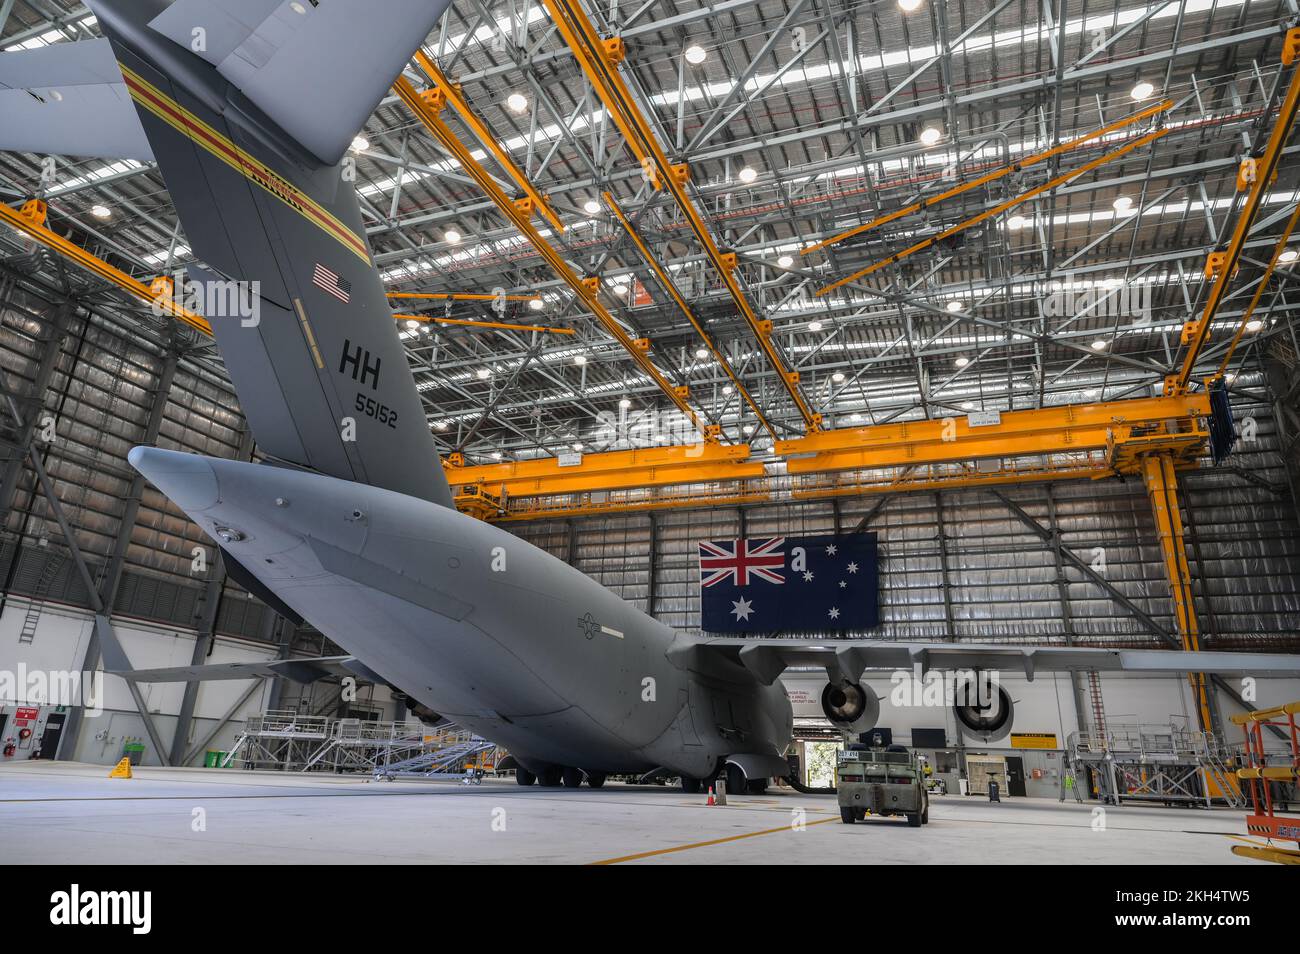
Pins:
<point x="297" y="306"/>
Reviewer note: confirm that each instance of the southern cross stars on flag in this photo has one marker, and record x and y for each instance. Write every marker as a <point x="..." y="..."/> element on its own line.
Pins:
<point x="789" y="584"/>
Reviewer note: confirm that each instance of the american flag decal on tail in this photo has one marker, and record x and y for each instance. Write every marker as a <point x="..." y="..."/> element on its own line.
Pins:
<point x="333" y="283"/>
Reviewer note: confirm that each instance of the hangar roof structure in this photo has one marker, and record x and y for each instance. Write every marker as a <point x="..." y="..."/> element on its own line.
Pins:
<point x="797" y="121"/>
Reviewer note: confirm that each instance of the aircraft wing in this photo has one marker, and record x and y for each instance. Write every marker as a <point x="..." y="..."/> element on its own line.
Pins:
<point x="768" y="658"/>
<point x="317" y="69"/>
<point x="69" y="99"/>
<point x="296" y="670"/>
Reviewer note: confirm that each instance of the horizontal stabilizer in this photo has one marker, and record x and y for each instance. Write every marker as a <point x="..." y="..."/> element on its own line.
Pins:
<point x="317" y="69"/>
<point x="303" y="671"/>
<point x="68" y="99"/>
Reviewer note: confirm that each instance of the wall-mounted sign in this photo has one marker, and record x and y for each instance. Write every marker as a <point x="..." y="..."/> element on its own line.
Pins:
<point x="1033" y="740"/>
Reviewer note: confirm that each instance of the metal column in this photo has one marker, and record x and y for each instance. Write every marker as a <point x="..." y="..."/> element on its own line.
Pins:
<point x="1162" y="487"/>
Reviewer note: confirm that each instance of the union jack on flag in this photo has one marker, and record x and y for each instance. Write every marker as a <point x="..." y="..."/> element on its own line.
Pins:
<point x="764" y="559"/>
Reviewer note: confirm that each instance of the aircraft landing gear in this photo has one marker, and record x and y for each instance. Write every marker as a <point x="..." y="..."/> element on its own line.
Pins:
<point x="691" y="786"/>
<point x="571" y="777"/>
<point x="524" y="777"/>
<point x="595" y="779"/>
<point x="549" y="777"/>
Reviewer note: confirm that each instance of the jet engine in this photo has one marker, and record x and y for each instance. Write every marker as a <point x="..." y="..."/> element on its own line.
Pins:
<point x="983" y="708"/>
<point x="851" y="706"/>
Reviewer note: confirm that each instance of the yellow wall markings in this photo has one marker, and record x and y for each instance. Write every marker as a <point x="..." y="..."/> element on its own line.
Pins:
<point x="706" y="844"/>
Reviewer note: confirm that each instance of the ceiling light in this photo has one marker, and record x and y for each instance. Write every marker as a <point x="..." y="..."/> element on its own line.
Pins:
<point x="1090" y="392"/>
<point x="1017" y="222"/>
<point x="1142" y="91"/>
<point x="412" y="324"/>
<point x="814" y="326"/>
<point x="452" y="236"/>
<point x="962" y="361"/>
<point x="968" y="405"/>
<point x="837" y="377"/>
<point x="578" y="446"/>
<point x="100" y="211"/>
<point x="696" y="54"/>
<point x="579" y="360"/>
<point x="1099" y="345"/>
<point x="930" y="135"/>
<point x="625" y="404"/>
<point x="908" y="6"/>
<point x="954" y="305"/>
<point x="727" y="389"/>
<point x="855" y="416"/>
<point x="537" y="304"/>
<point x="440" y="425"/>
<point x="748" y="428"/>
<point x="701" y="353"/>
<point x="483" y="374"/>
<point x="1254" y="324"/>
<point x="1122" y="204"/>
<point x="748" y="174"/>
<point x="1288" y="256"/>
<point x="785" y="261"/>
<point x="591" y="206"/>
<point x="496" y="455"/>
<point x="517" y="102"/>
<point x="360" y="143"/>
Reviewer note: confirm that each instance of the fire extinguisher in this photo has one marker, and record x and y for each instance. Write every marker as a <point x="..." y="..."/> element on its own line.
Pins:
<point x="10" y="748"/>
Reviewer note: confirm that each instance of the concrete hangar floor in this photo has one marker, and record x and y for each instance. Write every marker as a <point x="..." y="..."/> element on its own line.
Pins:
<point x="62" y="812"/>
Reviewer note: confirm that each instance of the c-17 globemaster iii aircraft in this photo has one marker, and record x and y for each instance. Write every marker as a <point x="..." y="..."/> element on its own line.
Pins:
<point x="358" y="536"/>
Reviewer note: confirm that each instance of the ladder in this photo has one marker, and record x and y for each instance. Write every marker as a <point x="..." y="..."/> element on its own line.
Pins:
<point x="1098" y="706"/>
<point x="54" y="563"/>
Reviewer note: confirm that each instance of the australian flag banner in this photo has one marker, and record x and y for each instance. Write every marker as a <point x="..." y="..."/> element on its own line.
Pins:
<point x="793" y="584"/>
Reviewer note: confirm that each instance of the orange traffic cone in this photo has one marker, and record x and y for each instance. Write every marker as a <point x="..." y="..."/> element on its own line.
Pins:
<point x="711" y="800"/>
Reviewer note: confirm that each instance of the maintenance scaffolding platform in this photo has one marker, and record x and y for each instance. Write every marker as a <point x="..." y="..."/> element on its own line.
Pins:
<point x="1169" y="764"/>
<point x="288" y="741"/>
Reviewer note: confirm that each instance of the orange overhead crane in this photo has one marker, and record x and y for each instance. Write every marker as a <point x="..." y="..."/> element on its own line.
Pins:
<point x="599" y="59"/>
<point x="463" y="296"/>
<point x="995" y="211"/>
<point x="671" y="288"/>
<point x="427" y="107"/>
<point x="993" y="176"/>
<point x="496" y="325"/>
<point x="160" y="293"/>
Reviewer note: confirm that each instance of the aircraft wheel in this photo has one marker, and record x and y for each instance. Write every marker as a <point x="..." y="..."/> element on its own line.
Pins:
<point x="913" y="819"/>
<point x="735" y="780"/>
<point x="757" y="787"/>
<point x="524" y="777"/>
<point x="595" y="779"/>
<point x="571" y="777"/>
<point x="549" y="777"/>
<point x="691" y="786"/>
<point x="848" y="816"/>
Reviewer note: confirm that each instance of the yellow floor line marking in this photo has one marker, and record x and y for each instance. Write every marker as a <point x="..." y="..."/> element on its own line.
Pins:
<point x="705" y="844"/>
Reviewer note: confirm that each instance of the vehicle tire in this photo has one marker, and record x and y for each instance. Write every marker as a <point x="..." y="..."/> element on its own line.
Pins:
<point x="549" y="777"/>
<point x="847" y="815"/>
<point x="913" y="819"/>
<point x="571" y="777"/>
<point x="691" y="786"/>
<point x="756" y="787"/>
<point x="861" y="813"/>
<point x="735" y="780"/>
<point x="925" y="816"/>
<point x="595" y="779"/>
<point x="524" y="777"/>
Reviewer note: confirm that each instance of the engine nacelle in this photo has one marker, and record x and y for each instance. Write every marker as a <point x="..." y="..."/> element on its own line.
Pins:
<point x="851" y="706"/>
<point x="983" y="708"/>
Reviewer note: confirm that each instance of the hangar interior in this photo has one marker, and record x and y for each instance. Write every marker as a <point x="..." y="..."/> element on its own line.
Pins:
<point x="1052" y="365"/>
